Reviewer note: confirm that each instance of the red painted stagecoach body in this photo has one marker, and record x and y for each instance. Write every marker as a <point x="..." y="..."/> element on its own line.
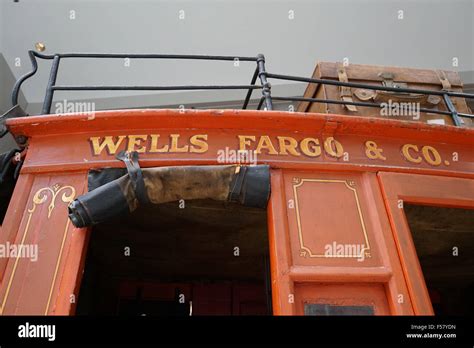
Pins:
<point x="336" y="180"/>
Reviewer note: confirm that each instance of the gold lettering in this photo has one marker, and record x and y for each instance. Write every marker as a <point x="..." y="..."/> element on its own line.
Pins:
<point x="136" y="140"/>
<point x="244" y="141"/>
<point x="406" y="153"/>
<point x="310" y="150"/>
<point x="372" y="151"/>
<point x="199" y="143"/>
<point x="174" y="144"/>
<point x="288" y="144"/>
<point x="431" y="155"/>
<point x="154" y="144"/>
<point x="333" y="147"/>
<point x="107" y="143"/>
<point x="266" y="143"/>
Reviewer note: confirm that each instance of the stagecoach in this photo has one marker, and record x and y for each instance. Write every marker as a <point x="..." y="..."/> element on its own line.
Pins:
<point x="244" y="211"/>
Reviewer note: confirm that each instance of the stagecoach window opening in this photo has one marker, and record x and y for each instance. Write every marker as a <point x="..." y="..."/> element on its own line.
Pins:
<point x="444" y="242"/>
<point x="161" y="258"/>
<point x="163" y="237"/>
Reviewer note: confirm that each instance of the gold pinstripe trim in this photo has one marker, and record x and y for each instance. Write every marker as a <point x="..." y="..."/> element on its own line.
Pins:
<point x="304" y="250"/>
<point x="41" y="197"/>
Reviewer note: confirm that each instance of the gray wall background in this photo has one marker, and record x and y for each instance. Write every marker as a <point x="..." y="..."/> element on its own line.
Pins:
<point x="430" y="35"/>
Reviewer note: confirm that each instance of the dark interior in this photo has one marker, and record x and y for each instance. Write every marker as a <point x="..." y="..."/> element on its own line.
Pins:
<point x="437" y="232"/>
<point x="206" y="258"/>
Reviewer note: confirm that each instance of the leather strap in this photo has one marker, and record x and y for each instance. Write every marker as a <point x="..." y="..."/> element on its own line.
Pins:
<point x="238" y="183"/>
<point x="428" y="101"/>
<point x="345" y="92"/>
<point x="444" y="80"/>
<point x="402" y="97"/>
<point x="135" y="173"/>
<point x="445" y="83"/>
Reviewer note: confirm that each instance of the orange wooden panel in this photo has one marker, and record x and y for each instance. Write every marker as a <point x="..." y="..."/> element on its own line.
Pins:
<point x="280" y="253"/>
<point x="14" y="215"/>
<point x="282" y="139"/>
<point x="397" y="292"/>
<point x="321" y="223"/>
<point x="31" y="285"/>
<point x="419" y="189"/>
<point x="329" y="220"/>
<point x="70" y="281"/>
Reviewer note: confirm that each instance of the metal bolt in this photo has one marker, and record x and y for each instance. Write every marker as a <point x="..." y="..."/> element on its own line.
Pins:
<point x="40" y="47"/>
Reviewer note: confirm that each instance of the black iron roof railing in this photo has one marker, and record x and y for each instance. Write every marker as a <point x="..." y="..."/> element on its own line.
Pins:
<point x="442" y="93"/>
<point x="260" y="72"/>
<point x="52" y="87"/>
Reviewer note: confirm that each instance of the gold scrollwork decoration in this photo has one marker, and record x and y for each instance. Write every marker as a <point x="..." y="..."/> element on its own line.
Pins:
<point x="41" y="197"/>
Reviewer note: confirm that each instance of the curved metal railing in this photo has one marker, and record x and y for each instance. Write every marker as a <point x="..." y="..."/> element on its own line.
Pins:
<point x="266" y="99"/>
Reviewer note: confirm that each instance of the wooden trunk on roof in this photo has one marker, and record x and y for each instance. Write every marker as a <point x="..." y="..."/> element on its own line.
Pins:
<point x="404" y="105"/>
